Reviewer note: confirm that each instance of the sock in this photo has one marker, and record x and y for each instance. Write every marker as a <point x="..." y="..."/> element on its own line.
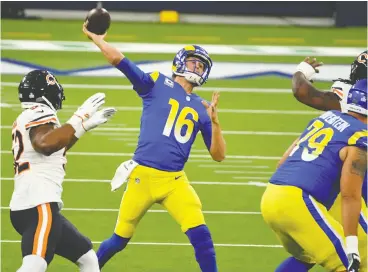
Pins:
<point x="292" y="264"/>
<point x="110" y="247"/>
<point x="201" y="240"/>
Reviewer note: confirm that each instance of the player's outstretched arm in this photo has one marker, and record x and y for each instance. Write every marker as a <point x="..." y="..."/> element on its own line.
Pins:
<point x="218" y="144"/>
<point x="141" y="81"/>
<point x="112" y="54"/>
<point x="306" y="93"/>
<point x="46" y="139"/>
<point x="352" y="177"/>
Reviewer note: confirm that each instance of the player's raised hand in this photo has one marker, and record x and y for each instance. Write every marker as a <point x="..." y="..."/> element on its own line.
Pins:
<point x="314" y="63"/>
<point x="212" y="108"/>
<point x="90" y="106"/>
<point x="92" y="36"/>
<point x="308" y="67"/>
<point x="100" y="117"/>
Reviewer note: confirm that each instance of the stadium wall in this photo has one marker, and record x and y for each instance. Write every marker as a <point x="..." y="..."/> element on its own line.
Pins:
<point x="315" y="13"/>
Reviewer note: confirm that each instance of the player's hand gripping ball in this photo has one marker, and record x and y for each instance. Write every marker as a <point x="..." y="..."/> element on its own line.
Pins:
<point x="98" y="21"/>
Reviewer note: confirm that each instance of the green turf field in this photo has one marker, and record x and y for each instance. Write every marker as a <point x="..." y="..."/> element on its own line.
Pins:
<point x="230" y="191"/>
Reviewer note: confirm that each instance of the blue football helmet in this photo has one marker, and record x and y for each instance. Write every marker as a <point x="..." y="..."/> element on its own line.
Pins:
<point x="179" y="67"/>
<point x="357" y="97"/>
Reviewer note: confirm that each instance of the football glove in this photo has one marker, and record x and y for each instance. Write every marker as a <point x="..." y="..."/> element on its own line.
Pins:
<point x="98" y="118"/>
<point x="84" y="112"/>
<point x="354" y="262"/>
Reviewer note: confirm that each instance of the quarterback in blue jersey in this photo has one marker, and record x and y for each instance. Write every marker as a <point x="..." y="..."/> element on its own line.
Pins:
<point x="172" y="116"/>
<point x="329" y="158"/>
<point x="336" y="99"/>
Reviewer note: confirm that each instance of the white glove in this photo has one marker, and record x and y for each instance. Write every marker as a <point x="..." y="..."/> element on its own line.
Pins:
<point x="84" y="112"/>
<point x="98" y="118"/>
<point x="307" y="70"/>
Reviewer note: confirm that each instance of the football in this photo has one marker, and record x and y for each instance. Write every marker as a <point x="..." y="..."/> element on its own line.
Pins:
<point x="98" y="21"/>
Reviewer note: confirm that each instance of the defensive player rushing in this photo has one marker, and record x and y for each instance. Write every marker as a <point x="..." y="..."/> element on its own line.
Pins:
<point x="172" y="116"/>
<point x="39" y="147"/>
<point x="309" y="95"/>
<point x="330" y="156"/>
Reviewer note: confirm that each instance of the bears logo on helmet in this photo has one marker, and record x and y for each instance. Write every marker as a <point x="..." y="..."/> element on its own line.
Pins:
<point x="180" y="68"/>
<point x="40" y="86"/>
<point x="359" y="67"/>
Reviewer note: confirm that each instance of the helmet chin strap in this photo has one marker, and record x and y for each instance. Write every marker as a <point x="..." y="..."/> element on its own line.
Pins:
<point x="192" y="78"/>
<point x="48" y="103"/>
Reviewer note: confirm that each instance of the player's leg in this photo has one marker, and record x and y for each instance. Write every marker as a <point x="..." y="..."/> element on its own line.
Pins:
<point x="183" y="204"/>
<point x="362" y="236"/>
<point x="293" y="264"/>
<point x="304" y="227"/>
<point x="76" y="247"/>
<point x="335" y="211"/>
<point x="40" y="229"/>
<point x="135" y="202"/>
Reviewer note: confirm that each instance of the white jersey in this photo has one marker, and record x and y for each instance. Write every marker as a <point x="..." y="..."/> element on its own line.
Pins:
<point x="341" y="89"/>
<point x="38" y="178"/>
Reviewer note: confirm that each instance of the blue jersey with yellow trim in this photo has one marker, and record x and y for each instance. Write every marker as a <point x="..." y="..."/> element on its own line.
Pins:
<point x="314" y="165"/>
<point x="170" y="120"/>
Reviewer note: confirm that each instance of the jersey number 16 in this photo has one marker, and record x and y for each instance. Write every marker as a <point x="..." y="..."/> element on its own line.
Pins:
<point x="180" y="122"/>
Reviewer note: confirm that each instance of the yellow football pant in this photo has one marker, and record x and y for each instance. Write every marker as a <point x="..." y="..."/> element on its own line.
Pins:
<point x="304" y="226"/>
<point x="172" y="190"/>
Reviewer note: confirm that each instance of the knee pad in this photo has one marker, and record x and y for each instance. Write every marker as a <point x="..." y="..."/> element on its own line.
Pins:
<point x="88" y="262"/>
<point x="200" y="238"/>
<point x="33" y="263"/>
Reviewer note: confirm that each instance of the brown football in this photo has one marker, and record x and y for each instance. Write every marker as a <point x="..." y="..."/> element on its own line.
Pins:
<point x="98" y="20"/>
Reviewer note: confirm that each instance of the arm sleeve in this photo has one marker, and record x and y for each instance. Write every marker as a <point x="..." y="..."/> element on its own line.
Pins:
<point x="206" y="131"/>
<point x="142" y="82"/>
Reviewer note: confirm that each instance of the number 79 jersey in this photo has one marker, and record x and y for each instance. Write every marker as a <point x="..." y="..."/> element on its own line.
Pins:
<point x="38" y="178"/>
<point x="170" y="121"/>
<point x="314" y="165"/>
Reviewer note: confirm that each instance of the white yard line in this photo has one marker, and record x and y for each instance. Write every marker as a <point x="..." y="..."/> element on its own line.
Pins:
<point x="130" y="87"/>
<point x="151" y="211"/>
<point x="226" y="183"/>
<point x="239" y="111"/>
<point x="222" y="164"/>
<point x="172" y="244"/>
<point x="233" y="166"/>
<point x="112" y="131"/>
<point x="111" y="154"/>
